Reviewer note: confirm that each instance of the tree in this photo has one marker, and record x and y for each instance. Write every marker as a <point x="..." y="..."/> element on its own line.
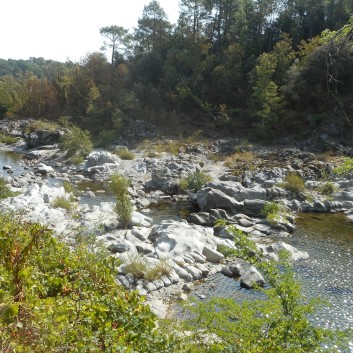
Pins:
<point x="116" y="39"/>
<point x="153" y="28"/>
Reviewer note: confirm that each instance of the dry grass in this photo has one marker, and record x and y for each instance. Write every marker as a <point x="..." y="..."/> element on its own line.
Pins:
<point x="140" y="270"/>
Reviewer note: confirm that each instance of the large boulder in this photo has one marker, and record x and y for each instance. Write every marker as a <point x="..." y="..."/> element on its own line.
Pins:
<point x="209" y="198"/>
<point x="42" y="137"/>
<point x="99" y="158"/>
<point x="251" y="277"/>
<point x="271" y="251"/>
<point x="253" y="207"/>
<point x="172" y="238"/>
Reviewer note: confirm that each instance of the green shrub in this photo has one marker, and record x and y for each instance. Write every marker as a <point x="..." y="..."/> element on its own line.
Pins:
<point x="5" y="191"/>
<point x="294" y="183"/>
<point x="245" y="248"/>
<point x="8" y="140"/>
<point x="68" y="186"/>
<point x="64" y="203"/>
<point x="328" y="188"/>
<point x="76" y="142"/>
<point x="119" y="186"/>
<point x="76" y="160"/>
<point x="345" y="168"/>
<point x="60" y="298"/>
<point x="125" y="154"/>
<point x="42" y="125"/>
<point x="273" y="212"/>
<point x="279" y="322"/>
<point x="105" y="138"/>
<point x="195" y="181"/>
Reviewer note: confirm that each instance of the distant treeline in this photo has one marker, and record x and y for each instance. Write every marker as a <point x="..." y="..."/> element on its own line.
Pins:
<point x="256" y="63"/>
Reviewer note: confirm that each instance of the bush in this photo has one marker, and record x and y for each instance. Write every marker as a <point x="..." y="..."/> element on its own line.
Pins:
<point x="42" y="125"/>
<point x="141" y="270"/>
<point x="8" y="140"/>
<point x="68" y="186"/>
<point x="280" y="322"/>
<point x="345" y="168"/>
<point x="245" y="248"/>
<point x="328" y="188"/>
<point x="119" y="186"/>
<point x="273" y="212"/>
<point x="195" y="181"/>
<point x="294" y="183"/>
<point x="5" y="191"/>
<point x="64" y="203"/>
<point x="60" y="298"/>
<point x="76" y="142"/>
<point x="125" y="154"/>
<point x="105" y="138"/>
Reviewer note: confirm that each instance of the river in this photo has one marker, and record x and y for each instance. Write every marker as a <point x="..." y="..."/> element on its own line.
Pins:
<point x="327" y="274"/>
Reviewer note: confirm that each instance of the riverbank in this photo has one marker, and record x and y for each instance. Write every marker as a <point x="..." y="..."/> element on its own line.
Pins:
<point x="244" y="179"/>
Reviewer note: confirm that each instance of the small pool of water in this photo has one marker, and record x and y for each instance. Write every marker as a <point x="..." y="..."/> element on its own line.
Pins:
<point x="171" y="210"/>
<point x="10" y="159"/>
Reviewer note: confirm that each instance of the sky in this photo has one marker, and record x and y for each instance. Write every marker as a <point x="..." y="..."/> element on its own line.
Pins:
<point x="65" y="30"/>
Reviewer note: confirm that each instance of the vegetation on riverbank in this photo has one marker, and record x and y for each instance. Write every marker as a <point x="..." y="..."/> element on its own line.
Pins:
<point x="270" y="69"/>
<point x="55" y="297"/>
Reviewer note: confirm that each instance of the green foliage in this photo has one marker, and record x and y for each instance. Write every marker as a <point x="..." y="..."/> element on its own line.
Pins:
<point x="294" y="183"/>
<point x="60" y="298"/>
<point x="244" y="247"/>
<point x="125" y="154"/>
<point x="76" y="142"/>
<point x="8" y="140"/>
<point x="42" y="125"/>
<point x="328" y="188"/>
<point x="119" y="186"/>
<point x="265" y="90"/>
<point x="273" y="212"/>
<point x="64" y="203"/>
<point x="105" y="138"/>
<point x="5" y="191"/>
<point x="345" y="168"/>
<point x="280" y="322"/>
<point x="195" y="181"/>
<point x="68" y="186"/>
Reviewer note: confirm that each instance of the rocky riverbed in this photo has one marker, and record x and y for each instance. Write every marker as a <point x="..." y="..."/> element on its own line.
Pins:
<point x="244" y="180"/>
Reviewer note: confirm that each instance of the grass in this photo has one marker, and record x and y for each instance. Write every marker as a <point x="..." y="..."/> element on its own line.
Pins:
<point x="42" y="125"/>
<point x="293" y="183"/>
<point x="195" y="181"/>
<point x="239" y="158"/>
<point x="173" y="146"/>
<point x="327" y="188"/>
<point x="76" y="160"/>
<point x="125" y="154"/>
<point x="346" y="167"/>
<point x="68" y="186"/>
<point x="140" y="270"/>
<point x="64" y="203"/>
<point x="6" y="139"/>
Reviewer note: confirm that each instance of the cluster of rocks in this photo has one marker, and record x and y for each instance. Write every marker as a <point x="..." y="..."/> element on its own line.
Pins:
<point x="188" y="247"/>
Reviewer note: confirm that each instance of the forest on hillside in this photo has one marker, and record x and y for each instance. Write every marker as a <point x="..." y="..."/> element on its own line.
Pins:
<point x="272" y="65"/>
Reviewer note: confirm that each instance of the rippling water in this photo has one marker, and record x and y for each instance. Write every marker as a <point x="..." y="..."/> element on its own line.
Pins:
<point x="328" y="273"/>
